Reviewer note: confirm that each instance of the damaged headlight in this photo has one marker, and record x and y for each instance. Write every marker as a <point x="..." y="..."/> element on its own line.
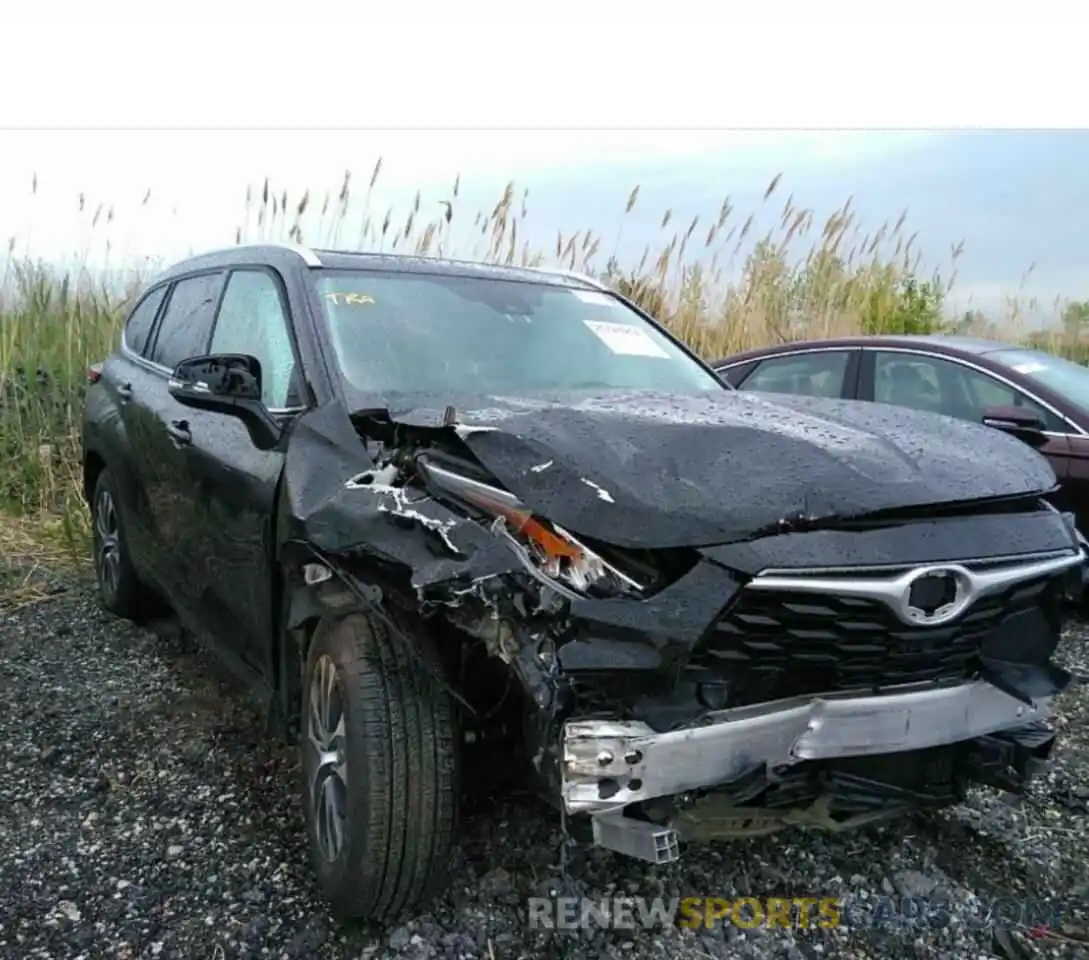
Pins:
<point x="549" y="552"/>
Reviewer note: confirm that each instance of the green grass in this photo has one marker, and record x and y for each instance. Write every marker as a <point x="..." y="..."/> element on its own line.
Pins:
<point x="712" y="280"/>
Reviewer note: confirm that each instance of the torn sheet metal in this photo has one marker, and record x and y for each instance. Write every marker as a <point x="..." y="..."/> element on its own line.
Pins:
<point x="652" y="633"/>
<point x="720" y="466"/>
<point x="337" y="498"/>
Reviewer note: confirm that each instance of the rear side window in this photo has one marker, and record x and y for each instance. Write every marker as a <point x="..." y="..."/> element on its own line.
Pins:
<point x="186" y="326"/>
<point x="142" y="319"/>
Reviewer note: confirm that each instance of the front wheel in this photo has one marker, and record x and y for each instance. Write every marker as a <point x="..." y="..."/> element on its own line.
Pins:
<point x="380" y="768"/>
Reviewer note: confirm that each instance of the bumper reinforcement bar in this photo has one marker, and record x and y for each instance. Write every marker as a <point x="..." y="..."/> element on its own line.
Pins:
<point x="609" y="765"/>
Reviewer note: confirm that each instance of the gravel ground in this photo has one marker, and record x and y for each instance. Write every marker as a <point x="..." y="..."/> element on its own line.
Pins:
<point x="142" y="814"/>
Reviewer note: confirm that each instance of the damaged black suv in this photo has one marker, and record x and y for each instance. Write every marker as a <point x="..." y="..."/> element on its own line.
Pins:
<point x="421" y="502"/>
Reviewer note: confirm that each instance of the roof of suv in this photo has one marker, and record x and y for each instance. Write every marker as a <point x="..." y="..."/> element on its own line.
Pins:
<point x="286" y="253"/>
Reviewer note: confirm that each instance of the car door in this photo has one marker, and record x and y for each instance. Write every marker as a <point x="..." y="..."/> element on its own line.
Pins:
<point x="234" y="484"/>
<point x="1075" y="495"/>
<point x="184" y="329"/>
<point x="955" y="388"/>
<point x="821" y="372"/>
<point x="124" y="422"/>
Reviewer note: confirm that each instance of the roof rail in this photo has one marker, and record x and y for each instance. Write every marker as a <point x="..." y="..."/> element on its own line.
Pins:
<point x="309" y="256"/>
<point x="546" y="271"/>
<point x="311" y="259"/>
<point x="572" y="275"/>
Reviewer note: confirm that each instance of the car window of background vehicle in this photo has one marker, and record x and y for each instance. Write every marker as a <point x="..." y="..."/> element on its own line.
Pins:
<point x="252" y="320"/>
<point x="1071" y="380"/>
<point x="186" y="326"/>
<point x="818" y="374"/>
<point x="414" y="332"/>
<point x="944" y="386"/>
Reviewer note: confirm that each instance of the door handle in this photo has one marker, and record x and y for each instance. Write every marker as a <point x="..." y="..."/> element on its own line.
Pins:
<point x="125" y="392"/>
<point x="179" y="432"/>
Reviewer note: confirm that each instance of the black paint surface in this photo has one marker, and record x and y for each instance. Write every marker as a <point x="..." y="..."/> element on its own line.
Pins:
<point x="654" y="470"/>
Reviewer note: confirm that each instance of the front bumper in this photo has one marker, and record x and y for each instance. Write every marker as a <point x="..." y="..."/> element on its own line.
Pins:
<point x="609" y="765"/>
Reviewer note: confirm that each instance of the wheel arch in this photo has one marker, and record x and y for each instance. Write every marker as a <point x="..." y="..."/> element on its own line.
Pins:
<point x="335" y="589"/>
<point x="299" y="604"/>
<point x="93" y="465"/>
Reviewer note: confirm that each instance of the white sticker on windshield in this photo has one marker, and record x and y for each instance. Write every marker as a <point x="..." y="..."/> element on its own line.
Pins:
<point x="625" y="339"/>
<point x="1030" y="367"/>
<point x="596" y="298"/>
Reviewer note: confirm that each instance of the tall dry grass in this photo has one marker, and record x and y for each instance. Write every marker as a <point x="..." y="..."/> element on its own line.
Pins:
<point x="713" y="279"/>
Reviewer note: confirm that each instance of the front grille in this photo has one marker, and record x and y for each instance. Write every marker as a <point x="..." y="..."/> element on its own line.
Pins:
<point x="770" y="645"/>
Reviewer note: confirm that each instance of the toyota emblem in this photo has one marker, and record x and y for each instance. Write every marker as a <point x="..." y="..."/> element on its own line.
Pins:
<point x="936" y="595"/>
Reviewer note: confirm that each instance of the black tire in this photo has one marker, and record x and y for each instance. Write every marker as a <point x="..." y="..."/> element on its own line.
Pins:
<point x="400" y="789"/>
<point x="120" y="590"/>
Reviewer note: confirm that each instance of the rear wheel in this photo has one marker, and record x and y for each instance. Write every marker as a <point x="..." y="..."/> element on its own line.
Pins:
<point x="380" y="768"/>
<point x="119" y="588"/>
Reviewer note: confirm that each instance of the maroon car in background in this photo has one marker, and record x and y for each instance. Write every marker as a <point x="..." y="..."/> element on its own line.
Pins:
<point x="1039" y="398"/>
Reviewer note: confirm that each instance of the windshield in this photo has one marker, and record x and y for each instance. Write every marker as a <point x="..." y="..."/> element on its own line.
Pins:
<point x="1070" y="380"/>
<point x="398" y="332"/>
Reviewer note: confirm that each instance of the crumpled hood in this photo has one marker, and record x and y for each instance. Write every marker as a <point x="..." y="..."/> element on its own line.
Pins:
<point x="659" y="470"/>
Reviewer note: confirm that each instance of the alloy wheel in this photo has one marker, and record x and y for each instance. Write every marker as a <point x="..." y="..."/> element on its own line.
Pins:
<point x="326" y="741"/>
<point x="108" y="547"/>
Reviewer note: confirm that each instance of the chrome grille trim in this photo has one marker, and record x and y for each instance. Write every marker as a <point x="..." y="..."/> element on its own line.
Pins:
<point x="892" y="586"/>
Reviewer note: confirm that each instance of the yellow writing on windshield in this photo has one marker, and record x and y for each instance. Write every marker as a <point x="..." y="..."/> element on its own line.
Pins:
<point x="358" y="299"/>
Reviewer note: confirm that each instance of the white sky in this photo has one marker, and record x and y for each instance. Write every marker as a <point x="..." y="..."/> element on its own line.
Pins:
<point x="197" y="180"/>
<point x="598" y="78"/>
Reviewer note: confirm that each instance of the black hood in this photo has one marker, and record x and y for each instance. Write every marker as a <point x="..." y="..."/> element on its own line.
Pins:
<point x="665" y="470"/>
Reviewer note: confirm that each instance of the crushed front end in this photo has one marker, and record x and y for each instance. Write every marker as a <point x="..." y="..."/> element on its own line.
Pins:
<point x="834" y="695"/>
<point x="824" y="674"/>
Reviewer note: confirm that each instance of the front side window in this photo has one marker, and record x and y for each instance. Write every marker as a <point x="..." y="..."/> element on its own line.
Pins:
<point x="186" y="326"/>
<point x="944" y="386"/>
<point x="410" y="332"/>
<point x="817" y="374"/>
<point x="252" y="320"/>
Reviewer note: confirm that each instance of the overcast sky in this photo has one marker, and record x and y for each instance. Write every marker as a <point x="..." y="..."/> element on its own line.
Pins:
<point x="1015" y="199"/>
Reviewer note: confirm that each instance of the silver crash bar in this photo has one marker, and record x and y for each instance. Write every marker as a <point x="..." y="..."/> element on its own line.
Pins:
<point x="608" y="764"/>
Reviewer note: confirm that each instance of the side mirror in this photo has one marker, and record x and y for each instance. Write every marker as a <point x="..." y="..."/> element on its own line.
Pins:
<point x="1016" y="421"/>
<point x="227" y="383"/>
